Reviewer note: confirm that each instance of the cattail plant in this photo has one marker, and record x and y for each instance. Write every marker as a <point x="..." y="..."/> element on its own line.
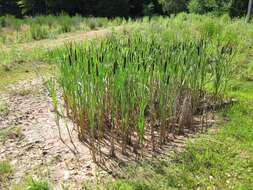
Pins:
<point x="130" y="90"/>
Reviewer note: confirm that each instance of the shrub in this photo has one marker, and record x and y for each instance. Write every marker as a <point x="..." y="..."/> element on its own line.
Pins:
<point x="174" y="6"/>
<point x="204" y="6"/>
<point x="39" y="32"/>
<point x="32" y="184"/>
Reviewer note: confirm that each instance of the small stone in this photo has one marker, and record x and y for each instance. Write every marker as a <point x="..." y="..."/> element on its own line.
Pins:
<point x="66" y="175"/>
<point x="44" y="153"/>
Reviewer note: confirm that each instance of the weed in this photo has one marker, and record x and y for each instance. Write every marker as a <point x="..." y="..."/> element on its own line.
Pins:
<point x="21" y="92"/>
<point x="33" y="184"/>
<point x="5" y="173"/>
<point x="4" y="109"/>
<point x="41" y="27"/>
<point x="5" y="169"/>
<point x="10" y="132"/>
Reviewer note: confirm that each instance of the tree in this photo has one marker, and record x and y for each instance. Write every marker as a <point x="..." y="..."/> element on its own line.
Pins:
<point x="9" y="7"/>
<point x="238" y="8"/>
<point x="173" y="6"/>
<point x="112" y="8"/>
<point x="204" y="6"/>
<point x="249" y="10"/>
<point x="32" y="7"/>
<point x="136" y="7"/>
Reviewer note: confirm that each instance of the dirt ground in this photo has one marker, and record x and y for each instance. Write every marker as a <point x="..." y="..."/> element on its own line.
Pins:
<point x="37" y="149"/>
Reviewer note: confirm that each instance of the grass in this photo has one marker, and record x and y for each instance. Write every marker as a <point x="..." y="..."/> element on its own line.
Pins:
<point x="5" y="169"/>
<point x="4" y="110"/>
<point x="127" y="82"/>
<point x="9" y="132"/>
<point x="221" y="159"/>
<point x="33" y="184"/>
<point x="27" y="182"/>
<point x="14" y="30"/>
<point x="5" y="173"/>
<point x="30" y="183"/>
<point x="18" y="65"/>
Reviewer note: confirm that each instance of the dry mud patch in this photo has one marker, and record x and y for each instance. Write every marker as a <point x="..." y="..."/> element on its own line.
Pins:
<point x="37" y="150"/>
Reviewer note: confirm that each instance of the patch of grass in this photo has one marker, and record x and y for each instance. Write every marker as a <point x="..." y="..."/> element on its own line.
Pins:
<point x="10" y="132"/>
<point x="4" y="109"/>
<point x="5" y="173"/>
<point x="33" y="184"/>
<point x="221" y="159"/>
<point x="25" y="67"/>
<point x="14" y="30"/>
<point x="21" y="92"/>
<point x="20" y="73"/>
<point x="39" y="32"/>
<point x="29" y="183"/>
<point x="5" y="169"/>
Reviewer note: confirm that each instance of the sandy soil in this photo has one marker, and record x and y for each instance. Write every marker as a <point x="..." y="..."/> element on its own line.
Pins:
<point x="37" y="149"/>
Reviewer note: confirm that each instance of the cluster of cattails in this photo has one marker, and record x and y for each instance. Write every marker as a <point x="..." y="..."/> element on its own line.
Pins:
<point x="133" y="88"/>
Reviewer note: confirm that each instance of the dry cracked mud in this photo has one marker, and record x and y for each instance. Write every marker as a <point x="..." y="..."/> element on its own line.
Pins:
<point x="37" y="149"/>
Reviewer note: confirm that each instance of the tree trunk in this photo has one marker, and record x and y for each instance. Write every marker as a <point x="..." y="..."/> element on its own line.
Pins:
<point x="249" y="10"/>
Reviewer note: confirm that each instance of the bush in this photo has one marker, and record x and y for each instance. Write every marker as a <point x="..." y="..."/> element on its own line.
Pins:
<point x="92" y="23"/>
<point x="219" y="7"/>
<point x="32" y="184"/>
<point x="11" y="22"/>
<point x="39" y="32"/>
<point x="174" y="6"/>
<point x="238" y="8"/>
<point x="5" y="169"/>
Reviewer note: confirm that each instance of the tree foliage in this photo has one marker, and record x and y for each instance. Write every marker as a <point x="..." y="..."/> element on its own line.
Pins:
<point x="9" y="7"/>
<point x="238" y="8"/>
<point x="205" y="6"/>
<point x="125" y="8"/>
<point x="174" y="6"/>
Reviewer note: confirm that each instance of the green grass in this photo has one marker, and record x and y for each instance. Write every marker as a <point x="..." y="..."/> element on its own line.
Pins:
<point x="14" y="30"/>
<point x="221" y="159"/>
<point x="5" y="173"/>
<point x="5" y="169"/>
<point x="27" y="183"/>
<point x="9" y="132"/>
<point x="123" y="74"/>
<point x="30" y="183"/>
<point x="17" y="65"/>
<point x="4" y="110"/>
<point x="33" y="184"/>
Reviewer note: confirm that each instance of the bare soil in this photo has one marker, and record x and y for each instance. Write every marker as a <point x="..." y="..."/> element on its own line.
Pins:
<point x="37" y="150"/>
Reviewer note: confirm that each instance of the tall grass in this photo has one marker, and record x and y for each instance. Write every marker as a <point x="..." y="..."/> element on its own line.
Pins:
<point x="13" y="30"/>
<point x="134" y="89"/>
